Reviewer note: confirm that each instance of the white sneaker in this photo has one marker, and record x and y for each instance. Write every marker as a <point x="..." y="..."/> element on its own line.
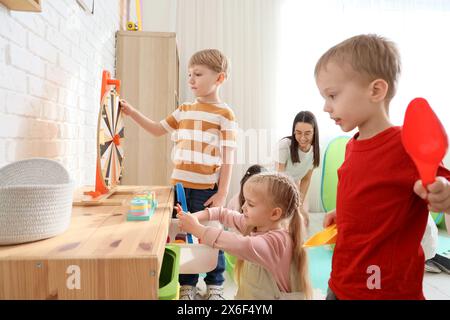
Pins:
<point x="215" y="293"/>
<point x="188" y="293"/>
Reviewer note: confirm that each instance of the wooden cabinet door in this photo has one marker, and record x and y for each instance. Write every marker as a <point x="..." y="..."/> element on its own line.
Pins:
<point x="147" y="65"/>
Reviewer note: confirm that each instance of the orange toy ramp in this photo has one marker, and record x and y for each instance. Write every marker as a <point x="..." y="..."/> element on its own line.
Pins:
<point x="326" y="236"/>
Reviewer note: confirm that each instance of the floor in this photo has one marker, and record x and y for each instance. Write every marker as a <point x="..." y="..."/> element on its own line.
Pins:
<point x="435" y="286"/>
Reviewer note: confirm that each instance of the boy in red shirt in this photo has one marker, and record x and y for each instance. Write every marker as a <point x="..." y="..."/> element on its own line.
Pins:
<point x="381" y="210"/>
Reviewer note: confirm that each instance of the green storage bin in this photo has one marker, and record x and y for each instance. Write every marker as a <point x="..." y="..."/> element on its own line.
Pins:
<point x="439" y="219"/>
<point x="230" y="262"/>
<point x="168" y="278"/>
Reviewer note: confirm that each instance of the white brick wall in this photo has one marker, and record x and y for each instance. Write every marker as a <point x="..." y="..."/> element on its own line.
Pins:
<point x="50" y="76"/>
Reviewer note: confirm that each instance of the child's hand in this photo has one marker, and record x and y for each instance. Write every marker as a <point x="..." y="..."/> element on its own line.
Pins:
<point x="126" y="108"/>
<point x="189" y="222"/>
<point x="216" y="200"/>
<point x="330" y="219"/>
<point x="438" y="194"/>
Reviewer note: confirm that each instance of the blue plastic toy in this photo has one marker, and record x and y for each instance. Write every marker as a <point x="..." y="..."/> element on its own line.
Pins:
<point x="181" y="198"/>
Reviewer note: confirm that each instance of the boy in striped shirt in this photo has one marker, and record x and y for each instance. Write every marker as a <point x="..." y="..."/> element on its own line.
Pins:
<point x="205" y="135"/>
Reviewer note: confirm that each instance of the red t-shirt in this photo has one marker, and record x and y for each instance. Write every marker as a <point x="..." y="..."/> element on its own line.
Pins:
<point x="380" y="222"/>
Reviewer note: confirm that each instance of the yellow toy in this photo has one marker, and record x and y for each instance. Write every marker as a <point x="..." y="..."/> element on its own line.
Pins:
<point x="326" y="236"/>
<point x="131" y="26"/>
<point x="136" y="26"/>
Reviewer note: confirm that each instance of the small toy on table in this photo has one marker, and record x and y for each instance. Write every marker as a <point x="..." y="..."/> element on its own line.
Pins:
<point x="142" y="207"/>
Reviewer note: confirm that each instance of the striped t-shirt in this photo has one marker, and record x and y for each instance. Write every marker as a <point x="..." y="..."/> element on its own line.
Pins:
<point x="200" y="131"/>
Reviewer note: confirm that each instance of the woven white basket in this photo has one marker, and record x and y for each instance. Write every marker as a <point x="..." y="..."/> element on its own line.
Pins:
<point x="35" y="200"/>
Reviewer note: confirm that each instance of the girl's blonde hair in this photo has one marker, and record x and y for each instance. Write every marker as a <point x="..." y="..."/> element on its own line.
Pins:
<point x="211" y="58"/>
<point x="283" y="193"/>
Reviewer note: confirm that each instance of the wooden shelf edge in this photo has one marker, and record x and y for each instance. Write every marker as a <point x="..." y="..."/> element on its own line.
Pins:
<point x="147" y="34"/>
<point x="23" y="5"/>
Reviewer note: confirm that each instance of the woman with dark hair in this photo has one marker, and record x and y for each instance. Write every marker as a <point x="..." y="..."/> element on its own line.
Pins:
<point x="299" y="153"/>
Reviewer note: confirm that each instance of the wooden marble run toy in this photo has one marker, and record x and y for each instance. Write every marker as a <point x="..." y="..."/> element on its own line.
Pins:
<point x="142" y="207"/>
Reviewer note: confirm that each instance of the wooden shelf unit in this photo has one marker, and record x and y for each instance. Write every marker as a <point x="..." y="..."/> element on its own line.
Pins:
<point x="23" y="5"/>
<point x="147" y="66"/>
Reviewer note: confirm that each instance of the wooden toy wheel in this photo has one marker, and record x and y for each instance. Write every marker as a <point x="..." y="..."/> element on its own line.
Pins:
<point x="111" y="131"/>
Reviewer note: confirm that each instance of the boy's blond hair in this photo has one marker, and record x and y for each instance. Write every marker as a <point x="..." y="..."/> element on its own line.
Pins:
<point x="372" y="56"/>
<point x="211" y="58"/>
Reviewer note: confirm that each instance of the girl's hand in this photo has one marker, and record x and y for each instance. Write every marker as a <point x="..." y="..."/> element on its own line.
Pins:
<point x="126" y="108"/>
<point x="330" y="219"/>
<point x="438" y="194"/>
<point x="189" y="223"/>
<point x="217" y="200"/>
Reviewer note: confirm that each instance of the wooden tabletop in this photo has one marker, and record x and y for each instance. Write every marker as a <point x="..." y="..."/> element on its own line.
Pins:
<point x="117" y="259"/>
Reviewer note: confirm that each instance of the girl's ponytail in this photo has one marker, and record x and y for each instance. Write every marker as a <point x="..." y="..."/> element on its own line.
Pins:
<point x="300" y="256"/>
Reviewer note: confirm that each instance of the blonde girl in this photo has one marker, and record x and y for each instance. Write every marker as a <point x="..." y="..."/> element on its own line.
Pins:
<point x="272" y="262"/>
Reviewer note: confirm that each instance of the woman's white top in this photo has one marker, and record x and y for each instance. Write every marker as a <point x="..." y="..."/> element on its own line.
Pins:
<point x="299" y="169"/>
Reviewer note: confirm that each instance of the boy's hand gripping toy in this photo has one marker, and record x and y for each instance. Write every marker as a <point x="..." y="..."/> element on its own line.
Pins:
<point x="181" y="198"/>
<point x="326" y="236"/>
<point x="424" y="139"/>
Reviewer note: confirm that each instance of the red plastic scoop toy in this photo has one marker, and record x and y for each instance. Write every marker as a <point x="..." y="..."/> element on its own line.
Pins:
<point x="424" y="139"/>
